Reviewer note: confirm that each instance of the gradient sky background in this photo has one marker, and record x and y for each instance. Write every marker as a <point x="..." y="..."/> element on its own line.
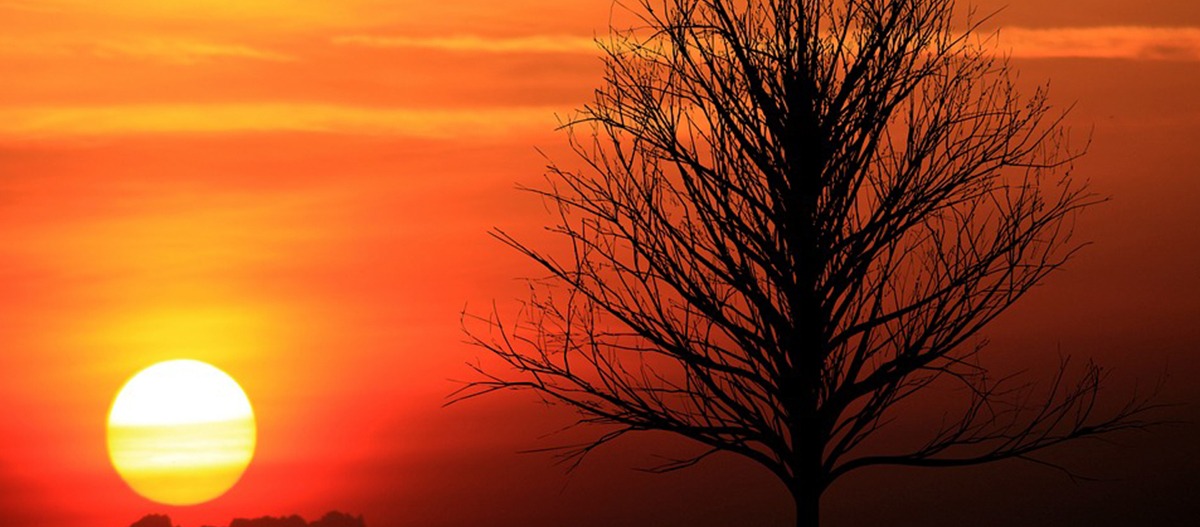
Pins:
<point x="300" y="194"/>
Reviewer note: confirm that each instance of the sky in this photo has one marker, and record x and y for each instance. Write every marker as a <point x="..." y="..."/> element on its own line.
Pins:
<point x="300" y="193"/>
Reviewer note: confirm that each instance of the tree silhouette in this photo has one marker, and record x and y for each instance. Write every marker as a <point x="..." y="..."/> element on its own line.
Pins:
<point x="790" y="216"/>
<point x="153" y="520"/>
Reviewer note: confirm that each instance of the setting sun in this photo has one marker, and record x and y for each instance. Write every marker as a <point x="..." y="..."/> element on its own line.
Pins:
<point x="181" y="432"/>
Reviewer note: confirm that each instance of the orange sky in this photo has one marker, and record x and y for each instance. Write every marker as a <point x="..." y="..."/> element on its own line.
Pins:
<point x="299" y="193"/>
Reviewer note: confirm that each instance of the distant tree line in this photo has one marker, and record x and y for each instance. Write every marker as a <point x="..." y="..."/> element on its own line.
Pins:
<point x="330" y="519"/>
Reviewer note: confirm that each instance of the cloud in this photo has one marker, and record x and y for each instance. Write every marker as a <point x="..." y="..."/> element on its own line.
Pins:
<point x="1114" y="42"/>
<point x="183" y="51"/>
<point x="272" y="14"/>
<point x="1107" y="42"/>
<point x="474" y="43"/>
<point x="26" y="6"/>
<point x="168" y="50"/>
<point x="49" y="122"/>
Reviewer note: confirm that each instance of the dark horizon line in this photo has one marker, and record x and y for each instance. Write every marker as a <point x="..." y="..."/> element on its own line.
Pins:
<point x="332" y="518"/>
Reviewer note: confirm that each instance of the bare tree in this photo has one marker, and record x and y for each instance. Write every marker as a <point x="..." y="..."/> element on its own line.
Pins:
<point x="789" y="216"/>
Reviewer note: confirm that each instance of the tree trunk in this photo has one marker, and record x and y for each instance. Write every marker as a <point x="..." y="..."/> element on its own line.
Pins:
<point x="808" y="504"/>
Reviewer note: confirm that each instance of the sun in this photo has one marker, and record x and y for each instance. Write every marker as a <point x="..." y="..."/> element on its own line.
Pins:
<point x="181" y="432"/>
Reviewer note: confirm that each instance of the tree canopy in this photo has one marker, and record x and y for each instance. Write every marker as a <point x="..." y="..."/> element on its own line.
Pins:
<point x="786" y="217"/>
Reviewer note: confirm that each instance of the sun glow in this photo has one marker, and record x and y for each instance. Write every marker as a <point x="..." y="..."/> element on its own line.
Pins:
<point x="181" y="432"/>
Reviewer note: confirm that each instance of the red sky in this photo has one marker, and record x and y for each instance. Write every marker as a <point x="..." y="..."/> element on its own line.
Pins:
<point x="300" y="194"/>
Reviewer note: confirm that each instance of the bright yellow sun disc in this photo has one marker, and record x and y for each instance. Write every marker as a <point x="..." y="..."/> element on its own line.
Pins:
<point x="181" y="432"/>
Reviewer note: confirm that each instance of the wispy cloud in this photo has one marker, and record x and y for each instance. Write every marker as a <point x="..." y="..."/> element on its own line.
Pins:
<point x="479" y="44"/>
<point x="169" y="50"/>
<point x="34" y="123"/>
<point x="32" y="7"/>
<point x="183" y="51"/>
<point x="1108" y="42"/>
<point x="1114" y="42"/>
<point x="272" y="14"/>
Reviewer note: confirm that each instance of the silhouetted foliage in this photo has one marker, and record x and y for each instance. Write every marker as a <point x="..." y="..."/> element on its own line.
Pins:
<point x="270" y="521"/>
<point x="153" y="520"/>
<point x="330" y="519"/>
<point x="791" y="216"/>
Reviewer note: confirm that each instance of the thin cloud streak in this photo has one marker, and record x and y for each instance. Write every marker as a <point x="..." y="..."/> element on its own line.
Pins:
<point x="40" y="123"/>
<point x="1113" y="42"/>
<point x="30" y="7"/>
<point x="478" y="44"/>
<point x="1107" y="42"/>
<point x="277" y="13"/>
<point x="150" y="48"/>
<point x="184" y="51"/>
